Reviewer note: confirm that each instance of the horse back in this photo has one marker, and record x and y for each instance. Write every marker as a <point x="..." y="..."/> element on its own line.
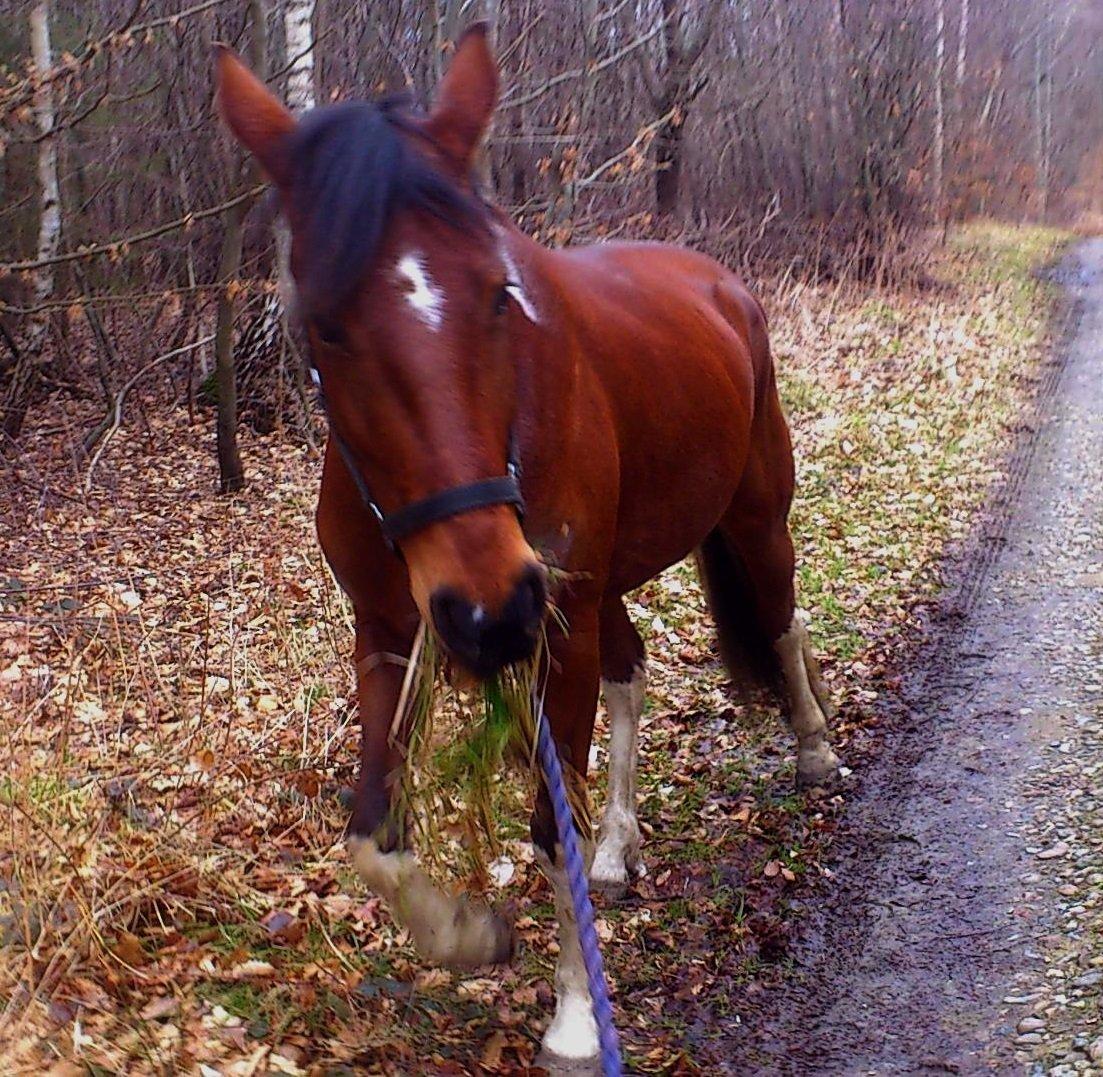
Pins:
<point x="662" y="284"/>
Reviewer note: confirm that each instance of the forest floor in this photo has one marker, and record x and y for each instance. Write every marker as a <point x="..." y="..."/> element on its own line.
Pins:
<point x="177" y="728"/>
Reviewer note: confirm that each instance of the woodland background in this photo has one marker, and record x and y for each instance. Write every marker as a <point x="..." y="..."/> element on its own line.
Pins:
<point x="817" y="140"/>
<point x="178" y="728"/>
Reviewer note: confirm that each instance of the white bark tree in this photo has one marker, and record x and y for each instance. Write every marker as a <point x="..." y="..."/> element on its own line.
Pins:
<point x="49" y="227"/>
<point x="268" y="334"/>
<point x="25" y="374"/>
<point x="962" y="48"/>
<point x="939" y="105"/>
<point x="298" y="30"/>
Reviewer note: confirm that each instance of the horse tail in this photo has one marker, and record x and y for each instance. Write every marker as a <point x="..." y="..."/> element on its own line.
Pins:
<point x="747" y="650"/>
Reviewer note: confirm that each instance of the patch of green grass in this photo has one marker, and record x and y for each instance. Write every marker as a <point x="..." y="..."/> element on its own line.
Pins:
<point x="798" y="393"/>
<point x="39" y="790"/>
<point x="674" y="913"/>
<point x="691" y="852"/>
<point x="880" y="310"/>
<point x="250" y="1002"/>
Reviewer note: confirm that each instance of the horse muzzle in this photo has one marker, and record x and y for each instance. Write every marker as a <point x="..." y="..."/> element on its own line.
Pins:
<point x="482" y="642"/>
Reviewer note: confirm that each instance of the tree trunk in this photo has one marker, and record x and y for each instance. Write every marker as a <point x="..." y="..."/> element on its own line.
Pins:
<point x="299" y="42"/>
<point x="686" y="32"/>
<point x="939" y="106"/>
<point x="26" y="374"/>
<point x="668" y="161"/>
<point x="231" y="472"/>
<point x="1041" y="121"/>
<point x="299" y="38"/>
<point x="962" y="47"/>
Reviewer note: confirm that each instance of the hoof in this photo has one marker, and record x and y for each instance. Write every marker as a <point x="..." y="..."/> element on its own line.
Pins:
<point x="446" y="930"/>
<point x="817" y="766"/>
<point x="610" y="887"/>
<point x="558" y="1066"/>
<point x="612" y="884"/>
<point x="481" y="936"/>
<point x="617" y="857"/>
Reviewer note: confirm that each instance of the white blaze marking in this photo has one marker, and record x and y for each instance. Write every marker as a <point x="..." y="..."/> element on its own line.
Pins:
<point x="516" y="286"/>
<point x="424" y="295"/>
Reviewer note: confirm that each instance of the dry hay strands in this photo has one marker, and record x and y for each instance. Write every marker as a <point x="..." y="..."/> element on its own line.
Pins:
<point x="453" y="801"/>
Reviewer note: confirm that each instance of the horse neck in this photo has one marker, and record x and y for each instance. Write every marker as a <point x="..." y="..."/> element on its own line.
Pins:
<point x="538" y="295"/>
<point x="544" y="349"/>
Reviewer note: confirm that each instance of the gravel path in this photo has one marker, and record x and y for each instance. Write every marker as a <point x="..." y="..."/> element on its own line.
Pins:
<point x="964" y="930"/>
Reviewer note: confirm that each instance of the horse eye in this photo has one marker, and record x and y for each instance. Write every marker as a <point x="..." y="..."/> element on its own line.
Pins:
<point x="329" y="332"/>
<point x="501" y="300"/>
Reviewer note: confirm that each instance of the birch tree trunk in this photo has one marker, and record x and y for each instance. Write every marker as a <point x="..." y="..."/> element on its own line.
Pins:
<point x="939" y="105"/>
<point x="26" y="374"/>
<point x="962" y="47"/>
<point x="299" y="41"/>
<point x="49" y="227"/>
<point x="1041" y="120"/>
<point x="299" y="36"/>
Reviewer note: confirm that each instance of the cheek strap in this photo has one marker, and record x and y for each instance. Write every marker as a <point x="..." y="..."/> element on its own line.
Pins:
<point x="408" y="520"/>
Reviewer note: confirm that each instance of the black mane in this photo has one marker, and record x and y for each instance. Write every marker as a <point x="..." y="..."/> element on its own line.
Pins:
<point x="350" y="169"/>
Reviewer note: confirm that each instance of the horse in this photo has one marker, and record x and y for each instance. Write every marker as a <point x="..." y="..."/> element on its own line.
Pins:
<point x="497" y="407"/>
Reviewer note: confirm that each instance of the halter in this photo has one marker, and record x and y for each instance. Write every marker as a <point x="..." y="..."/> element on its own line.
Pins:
<point x="452" y="501"/>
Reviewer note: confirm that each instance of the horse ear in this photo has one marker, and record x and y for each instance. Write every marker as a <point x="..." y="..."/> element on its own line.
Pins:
<point x="466" y="97"/>
<point x="257" y="119"/>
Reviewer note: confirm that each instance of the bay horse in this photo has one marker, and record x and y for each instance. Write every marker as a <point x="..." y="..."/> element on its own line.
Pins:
<point x="622" y="395"/>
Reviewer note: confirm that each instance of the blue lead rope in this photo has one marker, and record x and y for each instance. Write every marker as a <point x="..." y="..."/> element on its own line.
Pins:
<point x="580" y="898"/>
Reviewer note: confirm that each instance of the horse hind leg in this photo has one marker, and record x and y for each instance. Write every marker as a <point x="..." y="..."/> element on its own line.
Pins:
<point x="816" y="762"/>
<point x="748" y="576"/>
<point x="623" y="684"/>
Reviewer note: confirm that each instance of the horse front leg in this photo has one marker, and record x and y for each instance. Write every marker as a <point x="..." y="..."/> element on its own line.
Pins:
<point x="569" y="703"/>
<point x="446" y="930"/>
<point x="623" y="683"/>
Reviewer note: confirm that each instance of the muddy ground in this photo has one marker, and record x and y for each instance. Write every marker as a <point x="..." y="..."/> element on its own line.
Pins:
<point x="968" y="865"/>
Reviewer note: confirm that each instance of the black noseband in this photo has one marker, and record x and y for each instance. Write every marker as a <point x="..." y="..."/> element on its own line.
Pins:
<point x="504" y="490"/>
<point x="408" y="520"/>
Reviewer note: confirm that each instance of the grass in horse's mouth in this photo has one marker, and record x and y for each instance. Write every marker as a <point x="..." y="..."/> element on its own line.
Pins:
<point x="461" y="742"/>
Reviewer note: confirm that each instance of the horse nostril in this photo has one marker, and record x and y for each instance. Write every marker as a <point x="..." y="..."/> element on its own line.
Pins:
<point x="530" y="596"/>
<point x="454" y="616"/>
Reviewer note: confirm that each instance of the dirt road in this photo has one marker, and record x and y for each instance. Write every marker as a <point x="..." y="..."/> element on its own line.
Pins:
<point x="961" y="933"/>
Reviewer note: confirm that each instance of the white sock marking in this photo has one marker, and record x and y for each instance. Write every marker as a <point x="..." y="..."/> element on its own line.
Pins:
<point x="424" y="295"/>
<point x="815" y="759"/>
<point x="573" y="1031"/>
<point x="619" y="835"/>
<point x="446" y="929"/>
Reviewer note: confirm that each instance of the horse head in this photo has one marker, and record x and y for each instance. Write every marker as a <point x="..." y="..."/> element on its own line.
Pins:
<point x="406" y="294"/>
